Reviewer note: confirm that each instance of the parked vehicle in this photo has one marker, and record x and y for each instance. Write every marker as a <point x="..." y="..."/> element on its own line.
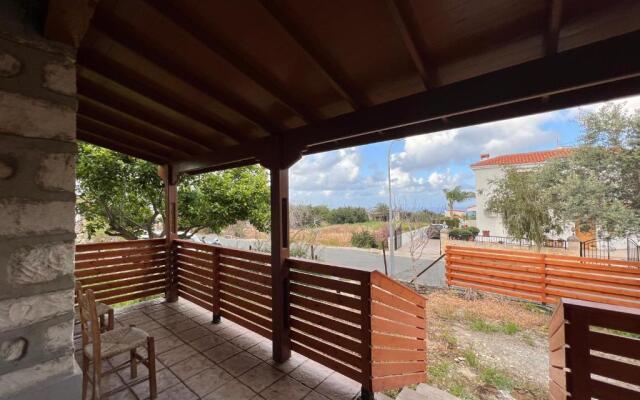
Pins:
<point x="433" y="231"/>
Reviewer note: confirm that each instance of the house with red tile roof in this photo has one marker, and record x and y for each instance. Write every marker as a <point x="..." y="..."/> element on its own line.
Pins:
<point x="490" y="169"/>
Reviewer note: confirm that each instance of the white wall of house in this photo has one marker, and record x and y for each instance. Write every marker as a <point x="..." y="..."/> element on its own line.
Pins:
<point x="486" y="221"/>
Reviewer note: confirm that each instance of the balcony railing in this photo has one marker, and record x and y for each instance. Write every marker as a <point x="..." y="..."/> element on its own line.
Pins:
<point x="361" y="324"/>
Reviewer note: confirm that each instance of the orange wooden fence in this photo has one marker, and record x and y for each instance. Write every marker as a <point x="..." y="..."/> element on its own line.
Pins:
<point x="122" y="271"/>
<point x="359" y="323"/>
<point x="544" y="277"/>
<point x="594" y="352"/>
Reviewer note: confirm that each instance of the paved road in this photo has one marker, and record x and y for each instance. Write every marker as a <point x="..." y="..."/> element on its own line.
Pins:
<point x="368" y="260"/>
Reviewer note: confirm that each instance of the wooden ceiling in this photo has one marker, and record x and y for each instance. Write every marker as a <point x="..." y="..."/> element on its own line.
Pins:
<point x="209" y="84"/>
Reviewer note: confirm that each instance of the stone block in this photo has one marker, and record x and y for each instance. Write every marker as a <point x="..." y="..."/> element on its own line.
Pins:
<point x="16" y="381"/>
<point x="41" y="263"/>
<point x="9" y="65"/>
<point x="20" y="217"/>
<point x="59" y="336"/>
<point x="29" y="117"/>
<point x="57" y="172"/>
<point x="23" y="311"/>
<point x="60" y="77"/>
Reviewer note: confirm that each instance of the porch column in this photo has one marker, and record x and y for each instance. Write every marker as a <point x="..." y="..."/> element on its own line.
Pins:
<point x="279" y="254"/>
<point x="170" y="229"/>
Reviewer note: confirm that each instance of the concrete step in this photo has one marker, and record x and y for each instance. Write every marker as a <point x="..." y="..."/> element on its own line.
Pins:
<point x="433" y="393"/>
<point x="381" y="396"/>
<point x="408" y="394"/>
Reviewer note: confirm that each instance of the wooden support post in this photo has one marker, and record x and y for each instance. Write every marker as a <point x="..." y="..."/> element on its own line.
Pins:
<point x="365" y="323"/>
<point x="216" y="287"/>
<point x="171" y="230"/>
<point x="576" y="336"/>
<point x="279" y="266"/>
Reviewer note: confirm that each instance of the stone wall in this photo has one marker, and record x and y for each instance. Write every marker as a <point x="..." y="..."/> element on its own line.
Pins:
<point x="37" y="179"/>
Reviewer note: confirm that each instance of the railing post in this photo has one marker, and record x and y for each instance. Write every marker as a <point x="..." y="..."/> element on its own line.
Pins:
<point x="171" y="293"/>
<point x="543" y="295"/>
<point x="365" y="325"/>
<point x="216" y="286"/>
<point x="577" y="338"/>
<point x="170" y="229"/>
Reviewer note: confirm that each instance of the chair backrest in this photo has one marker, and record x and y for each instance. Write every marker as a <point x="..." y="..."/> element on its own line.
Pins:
<point x="89" y="323"/>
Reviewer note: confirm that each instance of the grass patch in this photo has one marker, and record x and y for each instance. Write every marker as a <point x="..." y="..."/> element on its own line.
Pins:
<point x="471" y="357"/>
<point x="481" y="325"/>
<point x="440" y="370"/>
<point x="450" y="339"/>
<point x="494" y="377"/>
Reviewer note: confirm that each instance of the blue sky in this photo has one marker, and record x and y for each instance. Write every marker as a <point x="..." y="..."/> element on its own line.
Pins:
<point x="424" y="165"/>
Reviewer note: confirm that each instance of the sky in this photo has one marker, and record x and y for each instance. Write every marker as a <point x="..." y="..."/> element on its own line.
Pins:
<point x="422" y="166"/>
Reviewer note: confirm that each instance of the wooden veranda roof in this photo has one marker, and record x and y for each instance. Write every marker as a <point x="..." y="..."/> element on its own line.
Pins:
<point x="210" y="84"/>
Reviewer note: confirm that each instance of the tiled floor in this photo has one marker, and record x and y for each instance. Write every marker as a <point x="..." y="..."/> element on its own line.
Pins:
<point x="199" y="360"/>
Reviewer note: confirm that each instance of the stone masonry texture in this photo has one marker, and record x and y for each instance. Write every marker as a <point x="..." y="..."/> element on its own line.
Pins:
<point x="37" y="211"/>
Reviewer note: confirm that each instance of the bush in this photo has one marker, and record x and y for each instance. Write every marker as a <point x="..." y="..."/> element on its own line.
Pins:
<point x="461" y="234"/>
<point x="474" y="231"/>
<point x="347" y="215"/>
<point x="452" y="222"/>
<point x="363" y="239"/>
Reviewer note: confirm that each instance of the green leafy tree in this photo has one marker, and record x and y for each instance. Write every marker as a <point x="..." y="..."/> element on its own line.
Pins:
<point x="456" y="195"/>
<point x="124" y="196"/>
<point x="348" y="215"/>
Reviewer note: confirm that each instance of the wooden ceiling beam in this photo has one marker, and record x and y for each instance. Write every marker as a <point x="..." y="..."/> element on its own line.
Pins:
<point x="124" y="105"/>
<point x="127" y="37"/>
<point x="314" y="54"/>
<point x="605" y="61"/>
<point x="68" y="20"/>
<point x="402" y="17"/>
<point x="554" y="23"/>
<point x="135" y="82"/>
<point x="88" y="112"/>
<point x="119" y="147"/>
<point x="169" y="10"/>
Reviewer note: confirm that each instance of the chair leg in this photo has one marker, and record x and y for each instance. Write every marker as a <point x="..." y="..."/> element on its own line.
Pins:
<point x="111" y="319"/>
<point x="85" y="376"/>
<point x="97" y="379"/>
<point x="151" y="359"/>
<point x="103" y="324"/>
<point x="134" y="364"/>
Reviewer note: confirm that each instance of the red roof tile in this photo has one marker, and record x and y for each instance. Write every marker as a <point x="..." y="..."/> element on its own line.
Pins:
<point x="523" y="158"/>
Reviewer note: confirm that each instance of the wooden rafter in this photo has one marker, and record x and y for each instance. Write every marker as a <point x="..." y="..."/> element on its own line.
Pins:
<point x="127" y="37"/>
<point x="135" y="82"/>
<point x="123" y="105"/>
<point x="120" y="147"/>
<point x="553" y="27"/>
<point x="236" y="60"/>
<point x="401" y="15"/>
<point x="68" y="20"/>
<point x="321" y="60"/>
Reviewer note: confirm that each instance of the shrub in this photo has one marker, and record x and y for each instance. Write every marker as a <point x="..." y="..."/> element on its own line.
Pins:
<point x="347" y="215"/>
<point x="474" y="231"/>
<point x="452" y="222"/>
<point x="460" y="234"/>
<point x="492" y="376"/>
<point x="363" y="239"/>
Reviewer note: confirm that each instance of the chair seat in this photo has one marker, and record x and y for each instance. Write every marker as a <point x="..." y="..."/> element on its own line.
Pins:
<point x="118" y="341"/>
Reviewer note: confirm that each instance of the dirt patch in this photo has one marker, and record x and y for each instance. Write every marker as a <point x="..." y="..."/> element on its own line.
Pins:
<point x="488" y="348"/>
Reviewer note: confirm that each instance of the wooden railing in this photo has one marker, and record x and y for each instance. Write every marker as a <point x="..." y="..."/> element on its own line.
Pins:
<point x="594" y="351"/>
<point x="544" y="277"/>
<point x="123" y="271"/>
<point x="358" y="323"/>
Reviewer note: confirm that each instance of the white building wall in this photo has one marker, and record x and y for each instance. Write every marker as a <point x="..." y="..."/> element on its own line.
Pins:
<point x="486" y="221"/>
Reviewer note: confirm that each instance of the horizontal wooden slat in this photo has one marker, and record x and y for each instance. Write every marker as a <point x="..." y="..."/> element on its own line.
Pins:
<point x="248" y="275"/>
<point x="334" y="338"/>
<point x="326" y="295"/>
<point x="557" y="340"/>
<point x="613" y="344"/>
<point x="490" y="271"/>
<point x="559" y="376"/>
<point x="496" y="264"/>
<point x="379" y="355"/>
<point x="556" y="392"/>
<point x="604" y="390"/>
<point x="327" y="361"/>
<point x="397" y="381"/>
<point x="382" y="311"/>
<point x="246" y="264"/>
<point x="87" y="282"/>
<point x="390" y="300"/>
<point x="244" y="254"/>
<point x="246" y="284"/>
<point x="183" y="280"/>
<point x="241" y="292"/>
<point x="380" y="369"/>
<point x="134" y="296"/>
<point x="118" y="268"/>
<point x="208" y="282"/>
<point x="194" y="261"/>
<point x="557" y="358"/>
<point x="613" y="369"/>
<point x="499" y="290"/>
<point x="327" y="349"/>
<point x="386" y="326"/>
<point x="330" y="270"/>
<point x="325" y="322"/>
<point x="318" y="281"/>
<point x="396" y="342"/>
<point x="83" y="265"/>
<point x="195" y="300"/>
<point x="254" y="318"/>
<point x="204" y="273"/>
<point x="125" y="283"/>
<point x="398" y="289"/>
<point x="327" y="309"/>
<point x="130" y="289"/>
<point x="246" y="323"/>
<point x="205" y="256"/>
<point x="557" y="320"/>
<point x="81" y="248"/>
<point x="207" y="298"/>
<point x="246" y="305"/>
<point x="104" y="254"/>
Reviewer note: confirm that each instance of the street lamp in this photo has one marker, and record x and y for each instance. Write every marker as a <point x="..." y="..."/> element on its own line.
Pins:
<point x="392" y="265"/>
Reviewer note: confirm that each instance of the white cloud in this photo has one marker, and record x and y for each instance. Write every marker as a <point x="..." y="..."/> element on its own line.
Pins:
<point x="444" y="180"/>
<point x="327" y="171"/>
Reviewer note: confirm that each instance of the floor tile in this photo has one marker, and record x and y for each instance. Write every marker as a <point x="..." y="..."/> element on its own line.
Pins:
<point x="177" y="392"/>
<point x="240" y="363"/>
<point x="181" y="326"/>
<point x="164" y="380"/>
<point x="208" y="380"/>
<point x="165" y="344"/>
<point x="315" y="396"/>
<point x="285" y="389"/>
<point x="247" y="340"/>
<point x="176" y="355"/>
<point x="160" y="333"/>
<point x="191" y="366"/>
<point x="232" y="390"/>
<point x="206" y="342"/>
<point x="311" y="373"/>
<point x="339" y="387"/>
<point x="292" y="363"/>
<point x="262" y="350"/>
<point x="193" y="334"/>
<point x="232" y="331"/>
<point x="260" y="377"/>
<point x="222" y="352"/>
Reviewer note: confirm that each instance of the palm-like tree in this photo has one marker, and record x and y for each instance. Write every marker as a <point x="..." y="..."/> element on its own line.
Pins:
<point x="456" y="195"/>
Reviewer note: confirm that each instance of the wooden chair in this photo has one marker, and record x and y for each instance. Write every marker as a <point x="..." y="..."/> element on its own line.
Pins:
<point x="103" y="310"/>
<point x="97" y="346"/>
